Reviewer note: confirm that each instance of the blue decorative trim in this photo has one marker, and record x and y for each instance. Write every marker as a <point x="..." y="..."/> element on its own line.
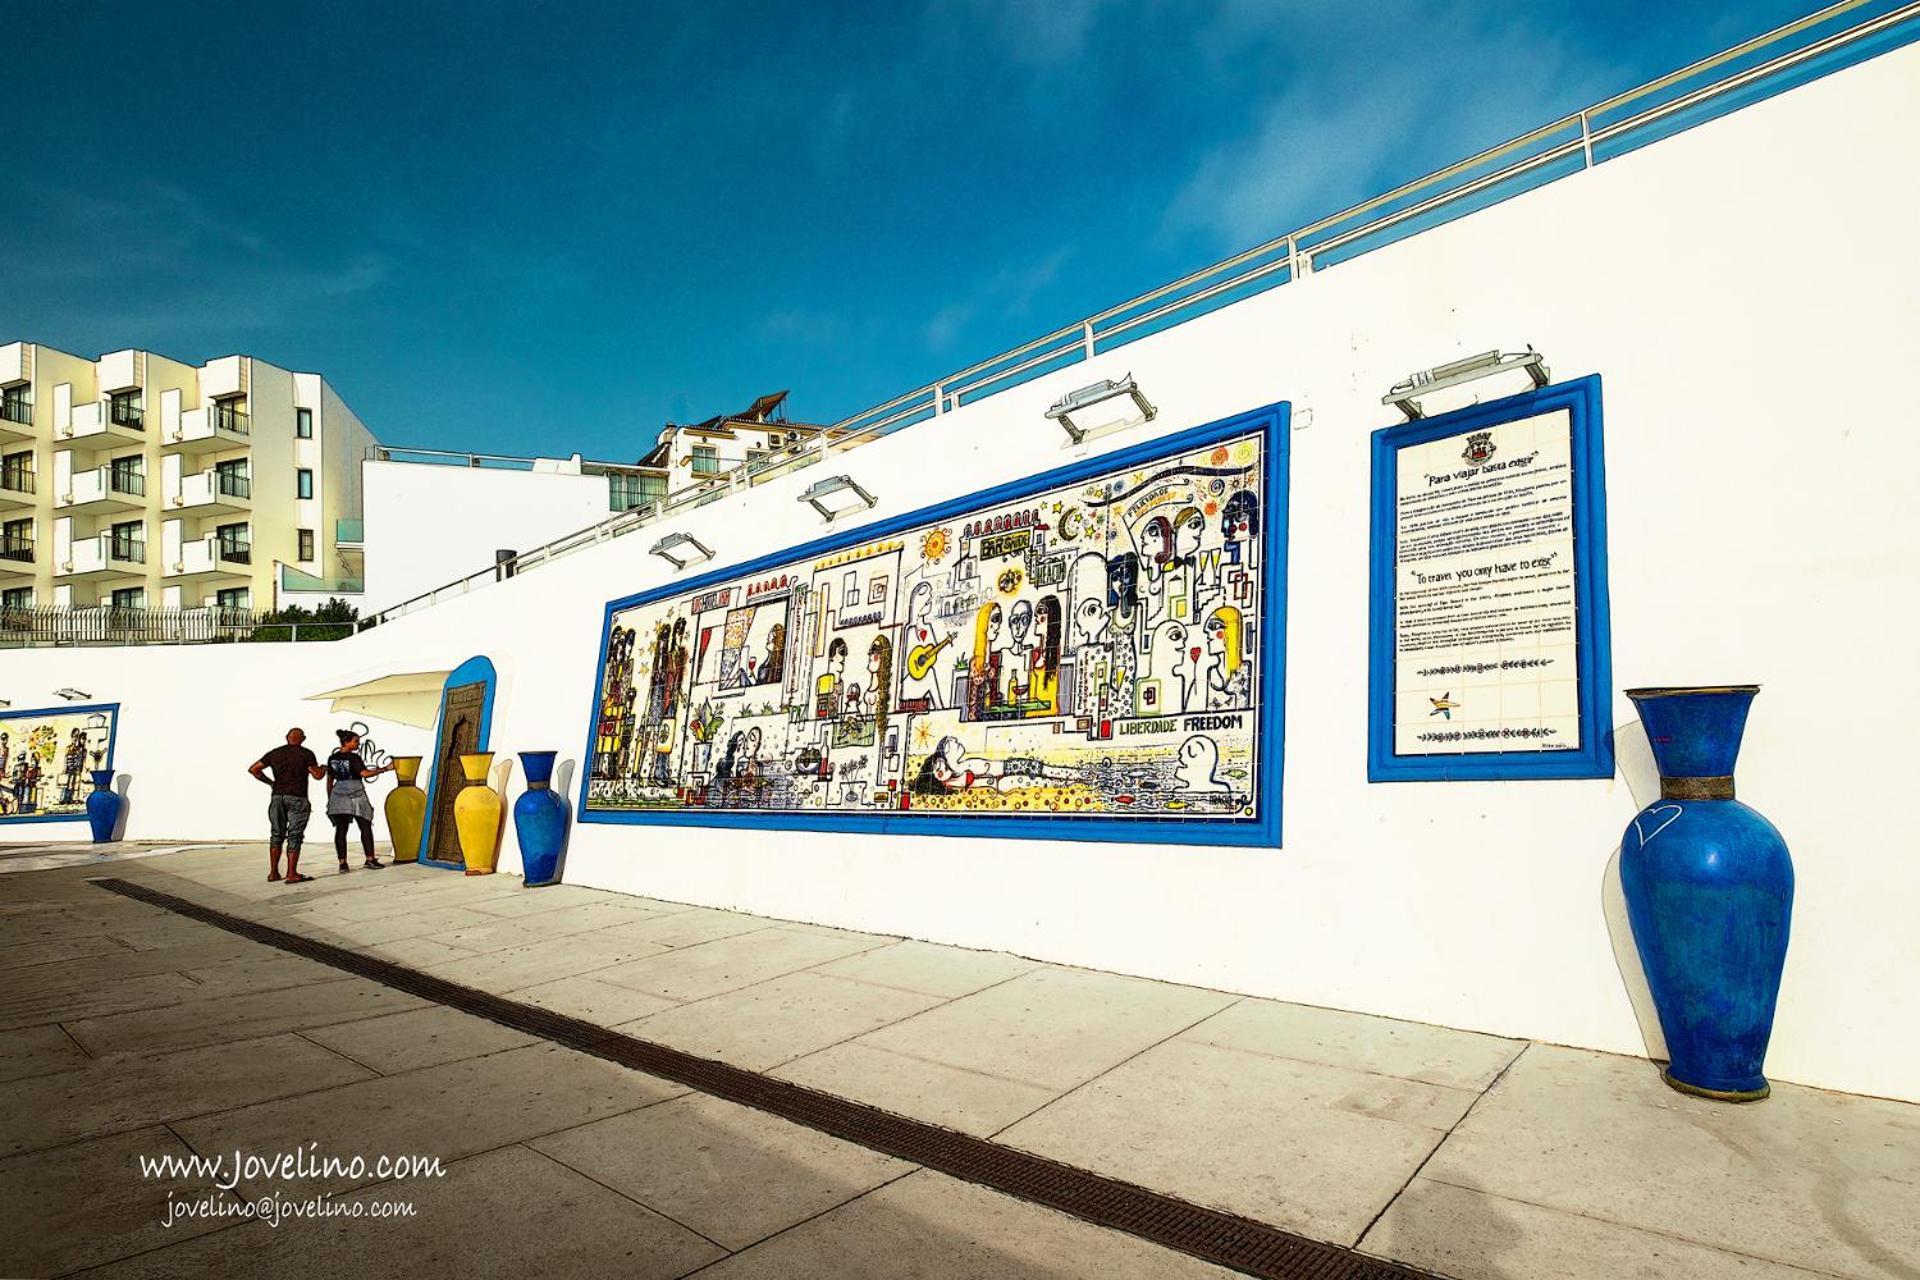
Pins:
<point x="477" y="670"/>
<point x="113" y="737"/>
<point x="1262" y="830"/>
<point x="1592" y="632"/>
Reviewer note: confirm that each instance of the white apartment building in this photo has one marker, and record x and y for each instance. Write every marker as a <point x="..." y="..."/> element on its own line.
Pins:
<point x="137" y="481"/>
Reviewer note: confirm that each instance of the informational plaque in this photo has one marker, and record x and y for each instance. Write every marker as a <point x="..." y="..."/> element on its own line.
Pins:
<point x="1489" y="623"/>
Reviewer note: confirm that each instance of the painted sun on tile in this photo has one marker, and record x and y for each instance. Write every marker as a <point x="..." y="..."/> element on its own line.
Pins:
<point x="1090" y="650"/>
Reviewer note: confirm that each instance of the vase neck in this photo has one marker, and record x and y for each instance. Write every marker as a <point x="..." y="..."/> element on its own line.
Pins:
<point x="537" y="786"/>
<point x="1720" y="788"/>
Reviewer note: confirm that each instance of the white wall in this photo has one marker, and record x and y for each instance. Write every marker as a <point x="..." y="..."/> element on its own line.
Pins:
<point x="1759" y="461"/>
<point x="428" y="525"/>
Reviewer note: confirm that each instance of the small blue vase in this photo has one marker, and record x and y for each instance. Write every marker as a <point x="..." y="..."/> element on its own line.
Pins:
<point x="103" y="806"/>
<point x="540" y="820"/>
<point x="1709" y="890"/>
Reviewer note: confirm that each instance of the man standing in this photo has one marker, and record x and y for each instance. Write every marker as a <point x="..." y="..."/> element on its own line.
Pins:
<point x="289" y="809"/>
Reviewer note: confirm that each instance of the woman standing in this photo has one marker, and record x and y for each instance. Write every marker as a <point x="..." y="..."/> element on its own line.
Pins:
<point x="347" y="800"/>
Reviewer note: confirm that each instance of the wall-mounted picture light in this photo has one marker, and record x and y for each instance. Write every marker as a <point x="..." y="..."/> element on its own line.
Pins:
<point x="1104" y="406"/>
<point x="682" y="549"/>
<point x="1405" y="396"/>
<point x="836" y="496"/>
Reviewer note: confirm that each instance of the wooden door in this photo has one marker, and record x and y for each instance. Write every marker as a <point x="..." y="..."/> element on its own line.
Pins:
<point x="459" y="735"/>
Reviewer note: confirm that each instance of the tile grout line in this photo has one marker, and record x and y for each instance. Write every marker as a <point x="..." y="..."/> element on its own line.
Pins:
<point x="1213" y="1235"/>
<point x="1435" y="1149"/>
<point x="795" y="1226"/>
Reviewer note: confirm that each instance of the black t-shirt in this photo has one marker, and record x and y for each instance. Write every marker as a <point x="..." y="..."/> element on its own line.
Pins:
<point x="345" y="764"/>
<point x="289" y="765"/>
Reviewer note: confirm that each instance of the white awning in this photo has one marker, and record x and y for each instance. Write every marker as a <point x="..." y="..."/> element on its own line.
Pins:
<point x="407" y="697"/>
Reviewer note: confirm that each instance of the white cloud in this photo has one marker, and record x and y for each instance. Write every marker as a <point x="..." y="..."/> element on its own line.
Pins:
<point x="1009" y="293"/>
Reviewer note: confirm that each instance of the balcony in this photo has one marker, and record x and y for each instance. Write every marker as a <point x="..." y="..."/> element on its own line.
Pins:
<point x="16" y="415"/>
<point x="102" y="425"/>
<point x="105" y="555"/>
<point x="16" y="555"/>
<point x="224" y="377"/>
<point x="208" y="429"/>
<point x="213" y="555"/>
<point x="104" y="489"/>
<point x="212" y="493"/>
<point x="17" y="486"/>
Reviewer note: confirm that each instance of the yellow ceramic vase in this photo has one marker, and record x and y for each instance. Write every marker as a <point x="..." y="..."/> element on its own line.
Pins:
<point x="406" y="809"/>
<point x="476" y="815"/>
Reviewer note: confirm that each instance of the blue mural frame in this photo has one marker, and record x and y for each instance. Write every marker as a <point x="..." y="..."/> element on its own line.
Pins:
<point x="1260" y="831"/>
<point x="113" y="737"/>
<point x="475" y="670"/>
<point x="1592" y="627"/>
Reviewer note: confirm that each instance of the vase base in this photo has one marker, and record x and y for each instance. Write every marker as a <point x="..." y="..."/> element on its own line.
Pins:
<point x="482" y="871"/>
<point x="1717" y="1095"/>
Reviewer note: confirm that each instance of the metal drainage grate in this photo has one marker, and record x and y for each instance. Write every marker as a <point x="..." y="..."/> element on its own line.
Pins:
<point x="1224" y="1238"/>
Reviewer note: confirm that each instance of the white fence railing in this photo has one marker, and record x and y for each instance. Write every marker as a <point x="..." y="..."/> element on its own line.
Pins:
<point x="1824" y="41"/>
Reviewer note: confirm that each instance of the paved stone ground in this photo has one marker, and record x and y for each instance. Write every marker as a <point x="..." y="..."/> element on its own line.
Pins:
<point x="126" y="1031"/>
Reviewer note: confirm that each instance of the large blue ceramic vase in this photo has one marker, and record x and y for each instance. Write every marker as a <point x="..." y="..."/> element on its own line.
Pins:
<point x="103" y="806"/>
<point x="540" y="820"/>
<point x="1709" y="889"/>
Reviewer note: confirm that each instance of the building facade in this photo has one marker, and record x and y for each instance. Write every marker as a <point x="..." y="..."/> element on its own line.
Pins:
<point x="135" y="481"/>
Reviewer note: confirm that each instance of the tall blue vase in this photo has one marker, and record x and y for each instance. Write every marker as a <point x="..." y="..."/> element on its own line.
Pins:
<point x="103" y="806"/>
<point x="540" y="820"/>
<point x="1709" y="889"/>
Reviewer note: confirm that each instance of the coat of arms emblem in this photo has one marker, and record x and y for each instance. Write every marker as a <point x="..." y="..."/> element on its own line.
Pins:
<point x="1479" y="448"/>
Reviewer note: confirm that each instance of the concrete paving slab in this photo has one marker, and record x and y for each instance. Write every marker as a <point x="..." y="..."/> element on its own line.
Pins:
<point x="200" y="950"/>
<point x="427" y="1037"/>
<point x="1471" y="1235"/>
<point x="551" y="897"/>
<point x="399" y="924"/>
<point x="504" y="1215"/>
<point x="1807" y="1178"/>
<point x="21" y="954"/>
<point x="596" y="1001"/>
<point x="415" y="953"/>
<point x="697" y="971"/>
<point x="37" y="1051"/>
<point x="932" y="1227"/>
<point x="1314" y="1149"/>
<point x="734" y="1175"/>
<point x="951" y="1097"/>
<point x="691" y="927"/>
<point x="496" y="934"/>
<point x="546" y="960"/>
<point x="223" y="1019"/>
<point x="930" y="968"/>
<point x="1053" y="1027"/>
<point x="776" y="1021"/>
<point x="129" y="1091"/>
<point x="449" y="1111"/>
<point x="1387" y="1046"/>
<point x="86" y="1203"/>
<point x="263" y="969"/>
<point x="26" y="1008"/>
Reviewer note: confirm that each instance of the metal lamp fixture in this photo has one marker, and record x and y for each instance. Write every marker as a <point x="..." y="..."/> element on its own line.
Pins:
<point x="71" y="695"/>
<point x="1405" y="396"/>
<point x="682" y="549"/>
<point x="1081" y="403"/>
<point x="851" y="495"/>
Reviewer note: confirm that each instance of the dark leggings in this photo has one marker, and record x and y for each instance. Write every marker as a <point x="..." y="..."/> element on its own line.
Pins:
<point x="340" y="824"/>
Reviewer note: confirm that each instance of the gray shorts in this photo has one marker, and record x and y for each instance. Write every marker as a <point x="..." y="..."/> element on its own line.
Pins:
<point x="287" y="819"/>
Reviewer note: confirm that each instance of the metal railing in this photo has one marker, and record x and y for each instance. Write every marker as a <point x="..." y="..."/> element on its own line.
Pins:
<point x="131" y="483"/>
<point x="127" y="549"/>
<point x="17" y="546"/>
<point x="124" y="413"/>
<point x="36" y="626"/>
<point x="231" y="484"/>
<point x="234" y="420"/>
<point x="233" y="552"/>
<point x="17" y="409"/>
<point x="499" y="461"/>
<point x="18" y="479"/>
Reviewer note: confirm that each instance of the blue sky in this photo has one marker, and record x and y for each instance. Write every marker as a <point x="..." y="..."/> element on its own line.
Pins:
<point x="531" y="227"/>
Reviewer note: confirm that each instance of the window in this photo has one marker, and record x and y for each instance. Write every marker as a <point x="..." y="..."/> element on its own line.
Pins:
<point x="130" y="597"/>
<point x="124" y="410"/>
<point x="16" y="472"/>
<point x="235" y="542"/>
<point x="303" y="423"/>
<point x="16" y="540"/>
<point x="303" y="482"/>
<point x="128" y="541"/>
<point x="128" y="475"/>
<point x="706" y="460"/>
<point x="627" y="489"/>
<point x="235" y="598"/>
<point x="15" y="405"/>
<point x="230" y="478"/>
<point x="16" y="598"/>
<point x="306" y="545"/>
<point x="229" y="416"/>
